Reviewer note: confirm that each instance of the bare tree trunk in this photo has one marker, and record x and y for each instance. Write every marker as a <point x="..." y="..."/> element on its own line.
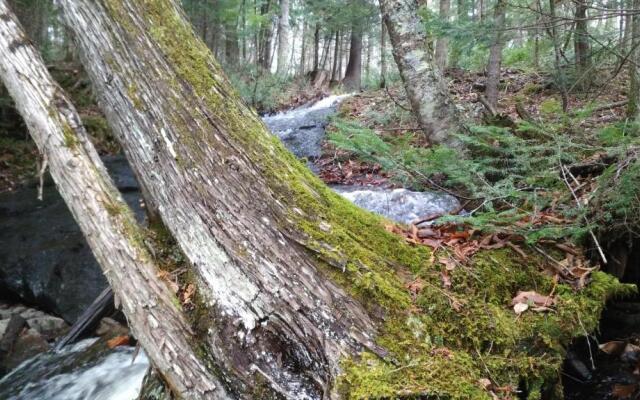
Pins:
<point x="368" y="62"/>
<point x="383" y="55"/>
<point x="495" y="54"/>
<point x="283" y="37"/>
<point x="425" y="87"/>
<point x="633" y="107"/>
<point x="105" y="219"/>
<point x="442" y="44"/>
<point x="336" y="55"/>
<point x="231" y="48"/>
<point x="353" y="75"/>
<point x="560" y="78"/>
<point x="316" y="48"/>
<point x="303" y="49"/>
<point x="581" y="42"/>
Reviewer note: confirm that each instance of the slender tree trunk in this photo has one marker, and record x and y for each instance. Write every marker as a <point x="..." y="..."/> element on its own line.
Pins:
<point x="283" y="37"/>
<point x="336" y="55"/>
<point x="425" y="87"/>
<point x="325" y="51"/>
<point x="633" y="107"/>
<point x="442" y="43"/>
<point x="560" y="78"/>
<point x="383" y="54"/>
<point x="105" y="219"/>
<point x="353" y="75"/>
<point x="316" y="48"/>
<point x="495" y="54"/>
<point x="368" y="62"/>
<point x="456" y="51"/>
<point x="265" y="37"/>
<point x="231" y="49"/>
<point x="303" y="49"/>
<point x="581" y="42"/>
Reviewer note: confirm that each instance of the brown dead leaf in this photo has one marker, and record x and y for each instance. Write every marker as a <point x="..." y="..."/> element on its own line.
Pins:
<point x="614" y="348"/>
<point x="187" y="295"/>
<point x="533" y="298"/>
<point x="118" y="341"/>
<point x="623" y="391"/>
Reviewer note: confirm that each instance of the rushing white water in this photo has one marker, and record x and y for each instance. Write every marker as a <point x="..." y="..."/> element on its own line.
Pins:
<point x="78" y="372"/>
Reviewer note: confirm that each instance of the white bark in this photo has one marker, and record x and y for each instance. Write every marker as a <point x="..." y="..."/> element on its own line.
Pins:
<point x="103" y="216"/>
<point x="270" y="314"/>
<point x="283" y="37"/>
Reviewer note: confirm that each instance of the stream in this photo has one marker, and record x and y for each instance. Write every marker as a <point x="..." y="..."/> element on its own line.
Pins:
<point x="36" y="264"/>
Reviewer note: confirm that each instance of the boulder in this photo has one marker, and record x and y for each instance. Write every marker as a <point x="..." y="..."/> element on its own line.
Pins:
<point x="44" y="258"/>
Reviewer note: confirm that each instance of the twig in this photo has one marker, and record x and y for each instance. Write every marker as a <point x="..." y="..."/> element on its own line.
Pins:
<point x="386" y="88"/>
<point x="575" y="197"/>
<point x="586" y="335"/>
<point x="43" y="168"/>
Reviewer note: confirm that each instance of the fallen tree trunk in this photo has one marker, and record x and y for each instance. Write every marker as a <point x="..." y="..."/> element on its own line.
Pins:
<point x="105" y="219"/>
<point x="290" y="290"/>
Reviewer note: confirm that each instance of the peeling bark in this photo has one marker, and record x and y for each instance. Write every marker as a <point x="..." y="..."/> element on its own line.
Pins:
<point x="106" y="221"/>
<point x="426" y="89"/>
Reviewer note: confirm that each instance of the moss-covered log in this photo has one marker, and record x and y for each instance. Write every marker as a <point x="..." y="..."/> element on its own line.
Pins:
<point x="300" y="294"/>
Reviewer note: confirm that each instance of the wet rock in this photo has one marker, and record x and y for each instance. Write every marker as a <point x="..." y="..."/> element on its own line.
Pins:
<point x="44" y="259"/>
<point x="48" y="326"/>
<point x="400" y="205"/>
<point x="109" y="328"/>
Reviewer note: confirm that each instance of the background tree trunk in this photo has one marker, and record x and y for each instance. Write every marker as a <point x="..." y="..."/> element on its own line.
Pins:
<point x="581" y="43"/>
<point x="383" y="54"/>
<point x="425" y="87"/>
<point x="283" y="37"/>
<point x="353" y="74"/>
<point x="495" y="54"/>
<point x="104" y="218"/>
<point x="442" y="44"/>
<point x="633" y="107"/>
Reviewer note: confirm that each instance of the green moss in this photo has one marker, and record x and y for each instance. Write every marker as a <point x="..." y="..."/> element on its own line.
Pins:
<point x="132" y="91"/>
<point x="70" y="138"/>
<point x="442" y="341"/>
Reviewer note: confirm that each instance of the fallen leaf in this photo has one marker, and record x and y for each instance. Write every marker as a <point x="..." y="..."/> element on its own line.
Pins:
<point x="519" y="308"/>
<point x="533" y="298"/>
<point x="118" y="341"/>
<point x="623" y="391"/>
<point x="614" y="348"/>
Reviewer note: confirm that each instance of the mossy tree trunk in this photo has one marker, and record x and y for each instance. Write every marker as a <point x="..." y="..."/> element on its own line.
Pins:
<point x="104" y="218"/>
<point x="259" y="230"/>
<point x="423" y="81"/>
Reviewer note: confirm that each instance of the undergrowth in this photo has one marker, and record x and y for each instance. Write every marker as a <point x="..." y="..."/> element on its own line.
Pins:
<point x="507" y="177"/>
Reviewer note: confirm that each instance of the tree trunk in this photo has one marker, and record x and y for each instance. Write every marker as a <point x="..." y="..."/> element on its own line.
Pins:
<point x="462" y="17"/>
<point x="495" y="54"/>
<point x="104" y="218"/>
<point x="581" y="43"/>
<point x="383" y="55"/>
<point x="303" y="49"/>
<point x="316" y="48"/>
<point x="231" y="48"/>
<point x="190" y="142"/>
<point x="283" y="37"/>
<point x="425" y="87"/>
<point x="264" y="58"/>
<point x="633" y="107"/>
<point x="353" y="75"/>
<point x="442" y="44"/>
<point x="559" y="78"/>
<point x="336" y="54"/>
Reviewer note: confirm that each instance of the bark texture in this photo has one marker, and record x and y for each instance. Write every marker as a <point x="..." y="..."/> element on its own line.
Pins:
<point x="426" y="89"/>
<point x="495" y="54"/>
<point x="353" y="74"/>
<point x="442" y="44"/>
<point x="283" y="36"/>
<point x="105" y="219"/>
<point x="260" y="231"/>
